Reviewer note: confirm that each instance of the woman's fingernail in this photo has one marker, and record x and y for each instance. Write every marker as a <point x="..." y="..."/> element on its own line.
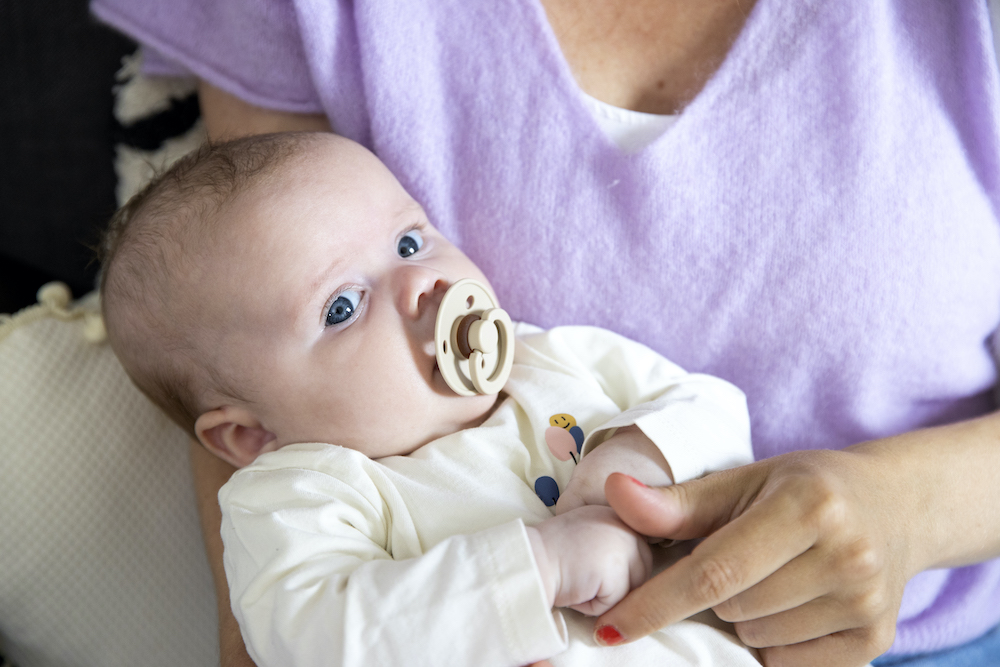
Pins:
<point x="607" y="635"/>
<point x="637" y="481"/>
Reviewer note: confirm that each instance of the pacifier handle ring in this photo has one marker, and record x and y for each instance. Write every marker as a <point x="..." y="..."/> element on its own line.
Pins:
<point x="495" y="382"/>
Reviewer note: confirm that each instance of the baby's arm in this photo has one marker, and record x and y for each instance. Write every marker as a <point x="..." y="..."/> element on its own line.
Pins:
<point x="326" y="567"/>
<point x="628" y="451"/>
<point x="673" y="425"/>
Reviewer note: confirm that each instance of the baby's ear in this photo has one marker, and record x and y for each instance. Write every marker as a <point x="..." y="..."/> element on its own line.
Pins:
<point x="234" y="435"/>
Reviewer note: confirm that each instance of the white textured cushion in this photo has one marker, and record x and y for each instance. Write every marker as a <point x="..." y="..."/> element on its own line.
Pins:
<point x="101" y="557"/>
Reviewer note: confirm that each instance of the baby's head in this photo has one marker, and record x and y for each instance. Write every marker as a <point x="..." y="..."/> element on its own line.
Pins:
<point x="283" y="288"/>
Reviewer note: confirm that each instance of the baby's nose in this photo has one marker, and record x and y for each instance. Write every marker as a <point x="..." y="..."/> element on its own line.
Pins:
<point x="420" y="290"/>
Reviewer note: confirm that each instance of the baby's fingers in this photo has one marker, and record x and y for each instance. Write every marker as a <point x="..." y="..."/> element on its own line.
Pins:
<point x="583" y="489"/>
<point x="614" y="588"/>
<point x="569" y="500"/>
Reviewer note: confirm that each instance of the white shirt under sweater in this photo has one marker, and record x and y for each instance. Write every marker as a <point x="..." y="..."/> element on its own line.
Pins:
<point x="336" y="559"/>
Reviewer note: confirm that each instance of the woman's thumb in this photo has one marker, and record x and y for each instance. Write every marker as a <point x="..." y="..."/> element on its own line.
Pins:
<point x="683" y="511"/>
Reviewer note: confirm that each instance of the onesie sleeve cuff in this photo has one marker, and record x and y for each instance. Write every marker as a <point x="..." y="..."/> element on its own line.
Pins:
<point x="534" y="631"/>
<point x="702" y="428"/>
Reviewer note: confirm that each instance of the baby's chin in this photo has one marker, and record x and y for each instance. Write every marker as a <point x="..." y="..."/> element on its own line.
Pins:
<point x="473" y="412"/>
<point x="399" y="434"/>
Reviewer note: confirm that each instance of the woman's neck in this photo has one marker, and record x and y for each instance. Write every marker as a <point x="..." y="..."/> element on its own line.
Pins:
<point x="653" y="56"/>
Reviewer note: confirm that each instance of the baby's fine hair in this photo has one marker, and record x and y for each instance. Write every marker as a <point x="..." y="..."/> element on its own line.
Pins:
<point x="155" y="237"/>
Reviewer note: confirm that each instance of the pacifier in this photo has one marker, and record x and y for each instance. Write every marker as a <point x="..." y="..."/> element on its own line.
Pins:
<point x="474" y="339"/>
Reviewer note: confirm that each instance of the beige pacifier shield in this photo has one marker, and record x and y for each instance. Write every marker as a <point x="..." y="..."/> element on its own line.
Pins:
<point x="490" y="338"/>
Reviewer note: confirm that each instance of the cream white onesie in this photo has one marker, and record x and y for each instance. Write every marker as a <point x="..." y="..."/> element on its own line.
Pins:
<point x="336" y="559"/>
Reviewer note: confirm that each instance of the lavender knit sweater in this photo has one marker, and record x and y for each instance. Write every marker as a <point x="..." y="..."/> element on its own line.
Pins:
<point x="819" y="227"/>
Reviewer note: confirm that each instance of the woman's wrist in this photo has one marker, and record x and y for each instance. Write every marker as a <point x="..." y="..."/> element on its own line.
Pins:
<point x="228" y="117"/>
<point x="941" y="485"/>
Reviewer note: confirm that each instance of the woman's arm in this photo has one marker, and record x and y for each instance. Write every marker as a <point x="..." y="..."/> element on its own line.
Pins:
<point x="227" y="116"/>
<point x="210" y="473"/>
<point x="808" y="552"/>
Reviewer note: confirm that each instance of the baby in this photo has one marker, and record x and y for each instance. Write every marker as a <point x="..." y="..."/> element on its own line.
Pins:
<point x="276" y="296"/>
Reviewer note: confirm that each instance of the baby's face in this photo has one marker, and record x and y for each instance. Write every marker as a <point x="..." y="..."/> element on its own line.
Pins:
<point x="324" y="298"/>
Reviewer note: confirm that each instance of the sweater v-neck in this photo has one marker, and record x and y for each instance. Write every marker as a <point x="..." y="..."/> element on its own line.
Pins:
<point x="739" y="63"/>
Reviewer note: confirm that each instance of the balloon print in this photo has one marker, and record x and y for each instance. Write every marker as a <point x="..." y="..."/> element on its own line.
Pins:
<point x="564" y="437"/>
<point x="561" y="443"/>
<point x="547" y="490"/>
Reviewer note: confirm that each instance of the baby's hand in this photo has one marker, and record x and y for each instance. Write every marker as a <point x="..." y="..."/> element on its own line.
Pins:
<point x="628" y="451"/>
<point x="588" y="559"/>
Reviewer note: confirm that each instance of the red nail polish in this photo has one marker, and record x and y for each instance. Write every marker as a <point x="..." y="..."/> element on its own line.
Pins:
<point x="637" y="481"/>
<point x="608" y="636"/>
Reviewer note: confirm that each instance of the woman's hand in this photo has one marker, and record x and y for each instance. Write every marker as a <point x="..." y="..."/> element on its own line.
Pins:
<point x="808" y="553"/>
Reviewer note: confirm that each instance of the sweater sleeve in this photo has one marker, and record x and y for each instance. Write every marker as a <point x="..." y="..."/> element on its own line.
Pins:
<point x="699" y="422"/>
<point x="250" y="48"/>
<point x="309" y="534"/>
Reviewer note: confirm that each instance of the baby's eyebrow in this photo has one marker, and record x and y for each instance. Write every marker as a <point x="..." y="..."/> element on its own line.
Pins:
<point x="411" y="207"/>
<point x="322" y="279"/>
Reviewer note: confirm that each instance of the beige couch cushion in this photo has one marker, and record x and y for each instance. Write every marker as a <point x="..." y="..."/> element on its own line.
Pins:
<point x="101" y="560"/>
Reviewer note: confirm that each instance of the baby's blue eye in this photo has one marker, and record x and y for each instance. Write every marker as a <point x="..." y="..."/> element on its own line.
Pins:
<point x="343" y="307"/>
<point x="410" y="243"/>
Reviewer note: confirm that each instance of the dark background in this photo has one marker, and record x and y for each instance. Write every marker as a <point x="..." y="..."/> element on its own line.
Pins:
<point x="57" y="182"/>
